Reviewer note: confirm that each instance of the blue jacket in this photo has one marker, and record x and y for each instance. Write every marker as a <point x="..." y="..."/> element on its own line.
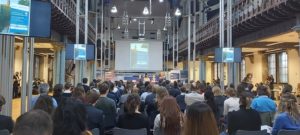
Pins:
<point x="284" y="121"/>
<point x="263" y="104"/>
<point x="95" y="118"/>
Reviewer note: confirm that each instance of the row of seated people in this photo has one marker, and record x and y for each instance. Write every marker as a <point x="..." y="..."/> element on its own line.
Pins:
<point x="167" y="109"/>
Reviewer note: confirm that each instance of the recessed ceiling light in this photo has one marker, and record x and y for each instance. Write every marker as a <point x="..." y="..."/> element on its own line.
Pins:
<point x="146" y="11"/>
<point x="161" y="1"/>
<point x="114" y="9"/>
<point x="134" y="19"/>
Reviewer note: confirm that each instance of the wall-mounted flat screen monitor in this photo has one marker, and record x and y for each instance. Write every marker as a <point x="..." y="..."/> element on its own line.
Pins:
<point x="78" y="51"/>
<point x="15" y="17"/>
<point x="228" y="55"/>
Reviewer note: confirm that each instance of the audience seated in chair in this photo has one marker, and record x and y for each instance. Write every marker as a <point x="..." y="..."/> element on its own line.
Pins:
<point x="200" y="120"/>
<point x="264" y="105"/>
<point x="289" y="116"/>
<point x="244" y="119"/>
<point x="133" y="118"/>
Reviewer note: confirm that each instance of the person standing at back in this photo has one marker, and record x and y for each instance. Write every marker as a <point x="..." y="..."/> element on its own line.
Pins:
<point x="5" y="121"/>
<point x="85" y="85"/>
<point x="57" y="92"/>
<point x="108" y="106"/>
<point x="264" y="105"/>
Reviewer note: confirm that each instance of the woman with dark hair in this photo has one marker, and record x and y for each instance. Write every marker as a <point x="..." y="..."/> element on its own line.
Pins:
<point x="200" y="120"/>
<point x="57" y="92"/>
<point x="45" y="103"/>
<point x="133" y="119"/>
<point x="289" y="115"/>
<point x="6" y="122"/>
<point x="244" y="119"/>
<point x="70" y="118"/>
<point x="210" y="100"/>
<point x="169" y="121"/>
<point x="79" y="93"/>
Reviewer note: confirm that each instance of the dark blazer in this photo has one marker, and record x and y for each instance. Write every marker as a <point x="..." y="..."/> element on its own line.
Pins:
<point x="95" y="118"/>
<point x="181" y="102"/>
<point x="86" y="88"/>
<point x="244" y="119"/>
<point x="6" y="123"/>
<point x="174" y="92"/>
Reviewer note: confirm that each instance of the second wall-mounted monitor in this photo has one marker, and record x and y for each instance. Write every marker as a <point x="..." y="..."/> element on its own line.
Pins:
<point x="228" y="55"/>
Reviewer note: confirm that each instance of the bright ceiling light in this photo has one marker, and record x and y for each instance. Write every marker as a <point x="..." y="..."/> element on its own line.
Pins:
<point x="118" y="27"/>
<point x="165" y="28"/>
<point x="177" y="12"/>
<point x="161" y="1"/>
<point x="146" y="11"/>
<point x="114" y="9"/>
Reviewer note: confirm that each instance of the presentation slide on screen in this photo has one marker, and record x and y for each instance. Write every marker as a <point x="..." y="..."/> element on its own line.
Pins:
<point x="138" y="55"/>
<point x="80" y="51"/>
<point x="15" y="17"/>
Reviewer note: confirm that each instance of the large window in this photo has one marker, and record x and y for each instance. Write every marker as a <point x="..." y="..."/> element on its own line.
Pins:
<point x="243" y="69"/>
<point x="283" y="67"/>
<point x="272" y="65"/>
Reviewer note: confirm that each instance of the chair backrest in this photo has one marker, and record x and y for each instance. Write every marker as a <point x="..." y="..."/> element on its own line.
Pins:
<point x="243" y="132"/>
<point x="95" y="131"/>
<point x="4" y="132"/>
<point x="121" y="131"/>
<point x="289" y="132"/>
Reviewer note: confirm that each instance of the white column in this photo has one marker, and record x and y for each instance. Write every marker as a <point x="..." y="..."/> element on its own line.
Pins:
<point x="24" y="75"/>
<point x="30" y="74"/>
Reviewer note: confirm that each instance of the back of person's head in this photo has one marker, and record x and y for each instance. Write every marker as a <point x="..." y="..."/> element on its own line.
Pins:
<point x="92" y="96"/>
<point x="35" y="122"/>
<point x="79" y="93"/>
<point x="200" y="120"/>
<point x="287" y="88"/>
<point x="149" y="88"/>
<point x="69" y="118"/>
<point x="161" y="93"/>
<point x="217" y="91"/>
<point x="45" y="103"/>
<point x="209" y="96"/>
<point x="68" y="85"/>
<point x="103" y="88"/>
<point x="246" y="100"/>
<point x="170" y="114"/>
<point x="58" y="90"/>
<point x="155" y="88"/>
<point x="194" y="87"/>
<point x="262" y="90"/>
<point x="132" y="103"/>
<point x="44" y="88"/>
<point x="231" y="92"/>
<point x="135" y="90"/>
<point x="84" y="80"/>
<point x="2" y="102"/>
<point x="183" y="89"/>
<point x="288" y="103"/>
<point x="201" y="87"/>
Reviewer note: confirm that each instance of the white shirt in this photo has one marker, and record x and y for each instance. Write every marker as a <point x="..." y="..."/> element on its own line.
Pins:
<point x="193" y="97"/>
<point x="231" y="104"/>
<point x="144" y="95"/>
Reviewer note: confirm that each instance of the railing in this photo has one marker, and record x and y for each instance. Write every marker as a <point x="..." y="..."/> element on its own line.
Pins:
<point x="242" y="11"/>
<point x="68" y="8"/>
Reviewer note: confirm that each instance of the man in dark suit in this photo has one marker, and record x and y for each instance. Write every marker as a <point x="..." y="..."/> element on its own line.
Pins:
<point x="85" y="85"/>
<point x="95" y="116"/>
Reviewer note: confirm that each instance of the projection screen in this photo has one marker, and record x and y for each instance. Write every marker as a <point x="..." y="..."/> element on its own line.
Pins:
<point x="138" y="56"/>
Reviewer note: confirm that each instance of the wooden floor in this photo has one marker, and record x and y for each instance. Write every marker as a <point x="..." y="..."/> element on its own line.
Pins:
<point x="16" y="108"/>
